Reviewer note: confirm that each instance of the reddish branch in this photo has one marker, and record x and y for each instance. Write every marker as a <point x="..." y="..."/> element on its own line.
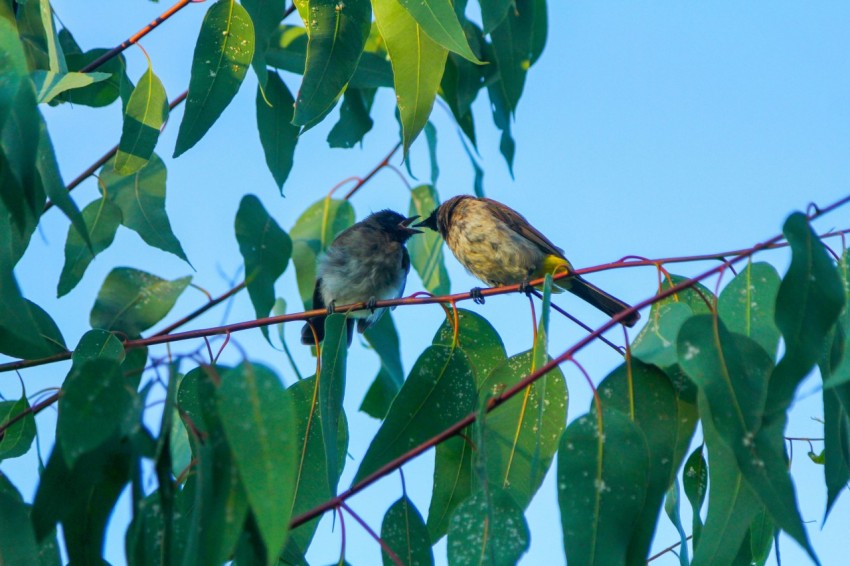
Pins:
<point x="372" y="173"/>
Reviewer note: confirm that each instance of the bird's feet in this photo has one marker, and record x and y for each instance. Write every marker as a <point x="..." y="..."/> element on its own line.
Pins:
<point x="476" y="295"/>
<point x="525" y="288"/>
<point x="370" y="304"/>
<point x="331" y="307"/>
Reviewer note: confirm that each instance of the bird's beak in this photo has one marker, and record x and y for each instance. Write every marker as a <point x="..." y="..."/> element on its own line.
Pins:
<point x="430" y="222"/>
<point x="405" y="225"/>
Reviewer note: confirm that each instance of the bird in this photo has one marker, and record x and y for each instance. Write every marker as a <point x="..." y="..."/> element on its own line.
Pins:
<point x="499" y="246"/>
<point x="365" y="263"/>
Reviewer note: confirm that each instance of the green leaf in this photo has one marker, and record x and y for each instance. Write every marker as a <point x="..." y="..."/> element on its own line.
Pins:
<point x="438" y="19"/>
<point x="312" y="233"/>
<point x="426" y="250"/>
<point x="338" y="33"/>
<point x="266" y="250"/>
<point x="49" y="84"/>
<point x="258" y="421"/>
<point x="404" y="531"/>
<point x="102" y="218"/>
<point x="839" y="370"/>
<point x="731" y="502"/>
<point x="141" y="198"/>
<point x="671" y="507"/>
<point x="522" y="435"/>
<point x="266" y="15"/>
<point x="695" y="483"/>
<point x="836" y="423"/>
<point x="417" y="61"/>
<point x="224" y="50"/>
<point x="656" y="342"/>
<point x="747" y="305"/>
<point x="477" y="338"/>
<point x="439" y="391"/>
<point x="131" y="301"/>
<point x="33" y="35"/>
<point x="602" y="474"/>
<point x="493" y="12"/>
<point x="26" y="330"/>
<point x="96" y="405"/>
<point x="762" y="533"/>
<point x="146" y="112"/>
<point x="383" y="338"/>
<point x="102" y="93"/>
<point x="332" y="393"/>
<point x="16" y="440"/>
<point x="17" y="540"/>
<point x="311" y="482"/>
<point x="644" y="394"/>
<point x="732" y="373"/>
<point x="277" y="134"/>
<point x="808" y="304"/>
<point x="539" y="30"/>
<point x="512" y="49"/>
<point x="219" y="505"/>
<point x="354" y="121"/>
<point x="19" y="131"/>
<point x="501" y="112"/>
<point x="488" y="528"/>
<point x="453" y="483"/>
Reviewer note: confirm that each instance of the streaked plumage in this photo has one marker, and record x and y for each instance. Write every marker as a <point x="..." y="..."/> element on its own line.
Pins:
<point x="366" y="262"/>
<point x="499" y="246"/>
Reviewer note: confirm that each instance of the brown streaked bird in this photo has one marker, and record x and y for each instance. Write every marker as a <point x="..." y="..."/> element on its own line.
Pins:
<point x="499" y="246"/>
<point x="365" y="263"/>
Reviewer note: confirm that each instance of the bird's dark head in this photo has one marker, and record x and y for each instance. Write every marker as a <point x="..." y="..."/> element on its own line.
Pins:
<point x="395" y="224"/>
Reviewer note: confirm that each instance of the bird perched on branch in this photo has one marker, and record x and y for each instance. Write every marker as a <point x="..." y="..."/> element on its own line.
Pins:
<point x="499" y="246"/>
<point x="365" y="263"/>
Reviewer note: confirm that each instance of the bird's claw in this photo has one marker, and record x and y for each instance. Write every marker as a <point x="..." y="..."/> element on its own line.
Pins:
<point x="525" y="288"/>
<point x="476" y="295"/>
<point x="331" y="308"/>
<point x="370" y="304"/>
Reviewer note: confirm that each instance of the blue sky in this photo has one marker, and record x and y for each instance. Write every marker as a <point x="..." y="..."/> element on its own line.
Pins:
<point x="656" y="129"/>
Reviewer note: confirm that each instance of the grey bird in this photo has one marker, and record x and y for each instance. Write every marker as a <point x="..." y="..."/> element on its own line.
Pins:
<point x="499" y="246"/>
<point x="365" y="263"/>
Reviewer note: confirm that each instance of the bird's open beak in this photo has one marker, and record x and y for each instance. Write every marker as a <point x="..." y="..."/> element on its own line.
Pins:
<point x="430" y="222"/>
<point x="405" y="225"/>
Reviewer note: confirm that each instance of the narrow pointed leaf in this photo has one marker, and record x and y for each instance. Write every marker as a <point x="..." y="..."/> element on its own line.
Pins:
<point x="671" y="507"/>
<point x="141" y="198"/>
<point x="266" y="249"/>
<point x="453" y="483"/>
<point x="131" y="301"/>
<point x="224" y="50"/>
<point x="418" y="63"/>
<point x="146" y="112"/>
<point x="747" y="305"/>
<point x="836" y="422"/>
<point x="265" y="15"/>
<point x="426" y="250"/>
<point x="338" y="33"/>
<point x="439" y="391"/>
<point x="488" y="528"/>
<point x="695" y="484"/>
<point x="258" y="420"/>
<point x="512" y="48"/>
<point x="354" y="120"/>
<point x="403" y="530"/>
<point x="102" y="218"/>
<point x="601" y="487"/>
<point x="438" y="19"/>
<point x="277" y="134"/>
<point x="332" y="393"/>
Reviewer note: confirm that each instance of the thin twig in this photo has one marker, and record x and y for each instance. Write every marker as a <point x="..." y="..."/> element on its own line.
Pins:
<point x="372" y="173"/>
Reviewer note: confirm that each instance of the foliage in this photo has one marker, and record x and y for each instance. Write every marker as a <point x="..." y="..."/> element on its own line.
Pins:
<point x="240" y="466"/>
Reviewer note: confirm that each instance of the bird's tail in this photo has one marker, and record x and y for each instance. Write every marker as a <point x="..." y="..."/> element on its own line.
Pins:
<point x="608" y="304"/>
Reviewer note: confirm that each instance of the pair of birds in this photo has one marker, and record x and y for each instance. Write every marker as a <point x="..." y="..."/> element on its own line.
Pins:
<point x="368" y="262"/>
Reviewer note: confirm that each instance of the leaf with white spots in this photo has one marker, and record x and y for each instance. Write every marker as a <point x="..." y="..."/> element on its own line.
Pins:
<point x="747" y="305"/>
<point x="488" y="528"/>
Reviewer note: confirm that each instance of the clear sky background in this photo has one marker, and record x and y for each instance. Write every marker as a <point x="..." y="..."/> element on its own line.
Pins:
<point x="650" y="128"/>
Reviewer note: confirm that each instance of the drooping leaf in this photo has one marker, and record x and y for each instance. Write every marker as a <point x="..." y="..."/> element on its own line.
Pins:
<point x="17" y="540"/>
<point x="439" y="391"/>
<point x="146" y="112"/>
<point x="101" y="93"/>
<point x="266" y="249"/>
<point x="426" y="249"/>
<point x="332" y="393"/>
<point x="477" y="338"/>
<point x="16" y="439"/>
<point x="493" y="12"/>
<point x="453" y="483"/>
<point x="747" y="305"/>
<point x="224" y="50"/>
<point x="131" y="301"/>
<point x="488" y="528"/>
<point x="438" y="19"/>
<point x="836" y="422"/>
<point x="522" y="435"/>
<point x="671" y="507"/>
<point x="337" y="36"/>
<point x="501" y="112"/>
<point x="258" y="421"/>
<point x="141" y="198"/>
<point x="277" y="134"/>
<point x="418" y="63"/>
<point x="383" y="338"/>
<point x="656" y="342"/>
<point x="49" y="84"/>
<point x="404" y="532"/>
<point x="512" y="49"/>
<point x="102" y="218"/>
<point x="602" y="476"/>
<point x="354" y="120"/>
<point x="265" y="15"/>
<point x="695" y="483"/>
<point x="26" y="330"/>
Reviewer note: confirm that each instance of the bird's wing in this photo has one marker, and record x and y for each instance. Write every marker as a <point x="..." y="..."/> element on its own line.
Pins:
<point x="405" y="265"/>
<point x="523" y="227"/>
